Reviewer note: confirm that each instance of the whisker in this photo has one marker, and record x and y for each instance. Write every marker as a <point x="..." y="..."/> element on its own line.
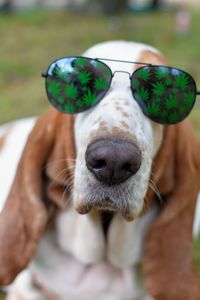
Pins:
<point x="153" y="175"/>
<point x="59" y="161"/>
<point x="65" y="192"/>
<point x="68" y="187"/>
<point x="70" y="182"/>
<point x="153" y="186"/>
<point x="63" y="172"/>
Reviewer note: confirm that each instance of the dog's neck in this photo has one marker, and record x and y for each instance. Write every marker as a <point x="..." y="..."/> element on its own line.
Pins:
<point x="83" y="236"/>
<point x="79" y="251"/>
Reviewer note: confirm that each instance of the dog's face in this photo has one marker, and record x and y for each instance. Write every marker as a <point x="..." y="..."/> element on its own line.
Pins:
<point x="116" y="147"/>
<point x="115" y="142"/>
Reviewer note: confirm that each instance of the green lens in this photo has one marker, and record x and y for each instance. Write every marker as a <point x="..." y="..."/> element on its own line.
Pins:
<point x="75" y="84"/>
<point x="166" y="95"/>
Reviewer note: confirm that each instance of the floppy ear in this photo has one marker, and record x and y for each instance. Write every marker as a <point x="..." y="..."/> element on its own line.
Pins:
<point x="32" y="196"/>
<point x="168" y="265"/>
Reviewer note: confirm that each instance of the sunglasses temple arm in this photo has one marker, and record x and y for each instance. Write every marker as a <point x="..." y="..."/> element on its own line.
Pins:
<point x="44" y="75"/>
<point x="197" y="92"/>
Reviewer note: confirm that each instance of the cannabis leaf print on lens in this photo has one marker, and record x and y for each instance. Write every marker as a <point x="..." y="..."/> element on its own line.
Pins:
<point x="101" y="84"/>
<point x="161" y="73"/>
<point x="75" y="84"/>
<point x="69" y="107"/>
<point x="165" y="94"/>
<point x="158" y="88"/>
<point x="84" y="77"/>
<point x="188" y="99"/>
<point x="80" y="62"/>
<point x="89" y="98"/>
<point x="171" y="102"/>
<point x="71" y="91"/>
<point x="143" y="73"/>
<point x="153" y="109"/>
<point x="142" y="93"/>
<point x="181" y="81"/>
<point x="60" y="74"/>
<point x="54" y="89"/>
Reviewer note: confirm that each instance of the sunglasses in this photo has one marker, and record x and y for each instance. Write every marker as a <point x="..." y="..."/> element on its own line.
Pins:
<point x="165" y="94"/>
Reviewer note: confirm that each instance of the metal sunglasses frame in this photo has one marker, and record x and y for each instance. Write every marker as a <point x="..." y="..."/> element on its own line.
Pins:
<point x="45" y="75"/>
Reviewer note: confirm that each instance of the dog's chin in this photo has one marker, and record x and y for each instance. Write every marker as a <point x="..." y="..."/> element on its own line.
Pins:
<point x="106" y="207"/>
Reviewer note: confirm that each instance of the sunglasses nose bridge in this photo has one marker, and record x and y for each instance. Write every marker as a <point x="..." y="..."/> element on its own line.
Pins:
<point x="125" y="72"/>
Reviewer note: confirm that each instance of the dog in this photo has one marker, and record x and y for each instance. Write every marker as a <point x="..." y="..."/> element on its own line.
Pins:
<point x="71" y="232"/>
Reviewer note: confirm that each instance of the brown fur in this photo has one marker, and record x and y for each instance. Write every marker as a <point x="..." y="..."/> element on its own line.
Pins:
<point x="2" y="141"/>
<point x="168" y="264"/>
<point x="154" y="58"/>
<point x="38" y="191"/>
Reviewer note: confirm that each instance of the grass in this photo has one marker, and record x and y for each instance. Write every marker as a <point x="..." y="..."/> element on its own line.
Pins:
<point x="31" y="40"/>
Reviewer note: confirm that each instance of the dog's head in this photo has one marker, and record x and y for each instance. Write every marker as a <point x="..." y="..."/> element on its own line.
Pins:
<point x="115" y="142"/>
<point x="113" y="158"/>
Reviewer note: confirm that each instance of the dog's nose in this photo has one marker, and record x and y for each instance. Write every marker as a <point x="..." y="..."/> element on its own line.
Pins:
<point x="113" y="160"/>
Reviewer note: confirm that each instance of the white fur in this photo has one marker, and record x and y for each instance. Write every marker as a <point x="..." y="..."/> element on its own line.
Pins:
<point x="72" y="280"/>
<point x="87" y="190"/>
<point x="73" y="260"/>
<point x="102" y="269"/>
<point x="16" y="134"/>
<point x="196" y="225"/>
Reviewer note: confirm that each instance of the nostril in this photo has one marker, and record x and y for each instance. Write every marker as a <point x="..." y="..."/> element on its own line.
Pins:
<point x="131" y="167"/>
<point x="99" y="164"/>
<point x="127" y="167"/>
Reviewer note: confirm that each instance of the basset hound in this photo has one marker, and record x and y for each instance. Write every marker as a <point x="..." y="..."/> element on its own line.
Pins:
<point x="101" y="204"/>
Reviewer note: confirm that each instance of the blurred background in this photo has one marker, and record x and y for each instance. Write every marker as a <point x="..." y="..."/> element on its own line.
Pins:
<point x="35" y="32"/>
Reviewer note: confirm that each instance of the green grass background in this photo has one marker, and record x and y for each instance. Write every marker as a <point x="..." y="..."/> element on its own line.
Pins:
<point x="30" y="40"/>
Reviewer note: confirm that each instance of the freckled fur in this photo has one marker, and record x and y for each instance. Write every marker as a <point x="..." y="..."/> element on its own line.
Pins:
<point x="118" y="116"/>
<point x="124" y="124"/>
<point x="74" y="260"/>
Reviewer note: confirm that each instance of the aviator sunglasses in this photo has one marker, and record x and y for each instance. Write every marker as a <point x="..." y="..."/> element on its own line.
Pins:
<point x="165" y="94"/>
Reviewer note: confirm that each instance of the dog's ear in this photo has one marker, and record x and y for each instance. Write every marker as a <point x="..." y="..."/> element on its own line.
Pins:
<point x="168" y="264"/>
<point x="35" y="191"/>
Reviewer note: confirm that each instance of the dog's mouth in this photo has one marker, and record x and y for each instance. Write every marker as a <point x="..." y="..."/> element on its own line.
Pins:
<point x="108" y="208"/>
<point x="104" y="205"/>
